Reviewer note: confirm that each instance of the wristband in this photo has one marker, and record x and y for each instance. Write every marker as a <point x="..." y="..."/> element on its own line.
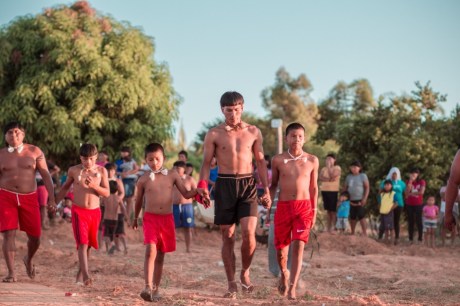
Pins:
<point x="203" y="185"/>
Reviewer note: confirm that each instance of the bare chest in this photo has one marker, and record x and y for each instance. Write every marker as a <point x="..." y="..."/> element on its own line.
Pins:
<point x="235" y="142"/>
<point x="14" y="162"/>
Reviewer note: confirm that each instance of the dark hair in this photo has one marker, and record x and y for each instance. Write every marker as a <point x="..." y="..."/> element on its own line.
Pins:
<point x="294" y="126"/>
<point x="231" y="98"/>
<point x="179" y="163"/>
<point x="110" y="166"/>
<point x="269" y="161"/>
<point x="13" y="125"/>
<point x="415" y="170"/>
<point x="356" y="163"/>
<point x="88" y="150"/>
<point x="125" y="149"/>
<point x="154" y="147"/>
<point x="331" y="155"/>
<point x="183" y="152"/>
<point x="113" y="185"/>
<point x="388" y="182"/>
<point x="189" y="165"/>
<point x="345" y="194"/>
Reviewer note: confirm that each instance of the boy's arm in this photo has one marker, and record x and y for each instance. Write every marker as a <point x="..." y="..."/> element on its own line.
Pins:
<point x="102" y="188"/>
<point x="65" y="187"/>
<point x="179" y="183"/>
<point x="139" y="200"/>
<point x="122" y="206"/>
<point x="258" y="151"/>
<point x="313" y="189"/>
<point x="120" y="189"/>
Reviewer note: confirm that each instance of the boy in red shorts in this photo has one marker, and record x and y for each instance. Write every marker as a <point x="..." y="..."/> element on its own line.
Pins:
<point x="90" y="182"/>
<point x="295" y="173"/>
<point x="154" y="188"/>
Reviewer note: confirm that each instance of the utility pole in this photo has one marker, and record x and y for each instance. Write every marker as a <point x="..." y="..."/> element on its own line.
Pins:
<point x="278" y="124"/>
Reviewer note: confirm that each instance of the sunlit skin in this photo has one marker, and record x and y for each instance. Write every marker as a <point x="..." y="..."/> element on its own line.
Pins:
<point x="17" y="174"/>
<point x="90" y="182"/>
<point x="296" y="180"/>
<point x="234" y="144"/>
<point x="157" y="195"/>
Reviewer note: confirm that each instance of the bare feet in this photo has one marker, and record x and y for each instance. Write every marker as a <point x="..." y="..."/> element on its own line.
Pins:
<point x="30" y="268"/>
<point x="291" y="292"/>
<point x="156" y="295"/>
<point x="283" y="283"/>
<point x="9" y="279"/>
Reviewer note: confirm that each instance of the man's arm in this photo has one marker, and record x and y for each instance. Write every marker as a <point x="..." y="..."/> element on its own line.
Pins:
<point x="139" y="200"/>
<point x="313" y="189"/>
<point x="42" y="167"/>
<point x="208" y="154"/>
<point x="452" y="191"/>
<point x="366" y="192"/>
<point x="65" y="187"/>
<point x="258" y="151"/>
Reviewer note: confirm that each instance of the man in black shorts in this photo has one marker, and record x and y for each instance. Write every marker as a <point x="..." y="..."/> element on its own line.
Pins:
<point x="234" y="143"/>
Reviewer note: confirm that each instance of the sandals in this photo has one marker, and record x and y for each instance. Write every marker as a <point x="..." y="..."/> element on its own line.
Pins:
<point x="247" y="288"/>
<point x="230" y="295"/>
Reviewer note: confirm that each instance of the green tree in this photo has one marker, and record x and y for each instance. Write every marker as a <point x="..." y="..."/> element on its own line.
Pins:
<point x="72" y="75"/>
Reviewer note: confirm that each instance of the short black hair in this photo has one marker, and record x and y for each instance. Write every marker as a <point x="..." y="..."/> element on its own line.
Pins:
<point x="415" y="170"/>
<point x="388" y="182"/>
<point x="113" y="185"/>
<point x="88" y="150"/>
<point x="183" y="152"/>
<point x="125" y="149"/>
<point x="110" y="166"/>
<point x="231" y="98"/>
<point x="179" y="163"/>
<point x="154" y="147"/>
<point x="13" y="125"/>
<point x="294" y="126"/>
<point x="356" y="163"/>
<point x="331" y="155"/>
<point x="345" y="194"/>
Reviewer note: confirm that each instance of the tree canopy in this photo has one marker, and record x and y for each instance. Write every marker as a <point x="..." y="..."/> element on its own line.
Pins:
<point x="71" y="75"/>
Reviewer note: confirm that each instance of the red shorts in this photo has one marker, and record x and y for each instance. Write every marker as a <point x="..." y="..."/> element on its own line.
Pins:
<point x="42" y="195"/>
<point x="160" y="230"/>
<point x="85" y="224"/>
<point x="20" y="208"/>
<point x="293" y="220"/>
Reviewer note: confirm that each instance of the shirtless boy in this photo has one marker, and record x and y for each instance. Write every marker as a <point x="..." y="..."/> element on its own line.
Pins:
<point x="18" y="196"/>
<point x="89" y="183"/>
<point x="233" y="144"/>
<point x="183" y="207"/>
<point x="295" y="172"/>
<point x="112" y="205"/>
<point x="154" y="189"/>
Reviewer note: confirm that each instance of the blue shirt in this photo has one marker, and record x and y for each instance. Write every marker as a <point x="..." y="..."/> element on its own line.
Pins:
<point x="344" y="209"/>
<point x="398" y="187"/>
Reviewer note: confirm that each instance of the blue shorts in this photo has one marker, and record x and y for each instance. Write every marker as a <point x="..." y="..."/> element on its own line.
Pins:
<point x="129" y="184"/>
<point x="184" y="215"/>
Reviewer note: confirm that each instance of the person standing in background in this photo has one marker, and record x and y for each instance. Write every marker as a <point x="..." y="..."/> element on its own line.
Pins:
<point x="329" y="176"/>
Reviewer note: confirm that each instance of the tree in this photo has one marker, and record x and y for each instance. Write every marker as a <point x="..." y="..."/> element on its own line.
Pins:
<point x="72" y="75"/>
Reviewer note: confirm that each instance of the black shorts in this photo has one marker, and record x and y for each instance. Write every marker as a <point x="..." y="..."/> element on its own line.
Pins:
<point x="357" y="212"/>
<point x="120" y="230"/>
<point x="330" y="199"/>
<point x="235" y="198"/>
<point x="109" y="228"/>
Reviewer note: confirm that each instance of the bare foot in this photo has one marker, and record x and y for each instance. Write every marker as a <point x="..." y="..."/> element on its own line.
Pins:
<point x="283" y="283"/>
<point x="156" y="295"/>
<point x="30" y="268"/>
<point x="291" y="292"/>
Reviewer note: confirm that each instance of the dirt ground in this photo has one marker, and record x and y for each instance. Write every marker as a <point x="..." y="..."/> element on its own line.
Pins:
<point x="348" y="270"/>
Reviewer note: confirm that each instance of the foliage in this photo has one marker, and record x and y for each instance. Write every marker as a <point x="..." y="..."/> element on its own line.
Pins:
<point x="402" y="132"/>
<point x="72" y="75"/>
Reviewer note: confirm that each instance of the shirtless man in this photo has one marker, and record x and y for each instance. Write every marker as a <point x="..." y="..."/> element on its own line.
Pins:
<point x="182" y="206"/>
<point x="234" y="143"/>
<point x="452" y="192"/>
<point x="18" y="197"/>
<point x="295" y="172"/>
<point x="90" y="182"/>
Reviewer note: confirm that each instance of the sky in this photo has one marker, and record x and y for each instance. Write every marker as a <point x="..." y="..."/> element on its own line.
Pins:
<point x="213" y="46"/>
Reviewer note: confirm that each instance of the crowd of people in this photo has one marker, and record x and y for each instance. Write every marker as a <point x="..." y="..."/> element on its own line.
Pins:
<point x="99" y="197"/>
<point x="395" y="197"/>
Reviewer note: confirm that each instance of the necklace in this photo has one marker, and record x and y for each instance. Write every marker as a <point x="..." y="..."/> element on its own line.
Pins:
<point x="18" y="148"/>
<point x="87" y="170"/>
<point x="295" y="158"/>
<point x="235" y="127"/>
<point x="152" y="173"/>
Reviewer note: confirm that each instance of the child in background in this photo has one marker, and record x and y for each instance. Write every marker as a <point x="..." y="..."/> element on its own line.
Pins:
<point x="343" y="212"/>
<point x="387" y="205"/>
<point x="430" y="220"/>
<point x="112" y="204"/>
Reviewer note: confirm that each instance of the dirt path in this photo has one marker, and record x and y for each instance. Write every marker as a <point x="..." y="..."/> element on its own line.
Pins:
<point x="349" y="270"/>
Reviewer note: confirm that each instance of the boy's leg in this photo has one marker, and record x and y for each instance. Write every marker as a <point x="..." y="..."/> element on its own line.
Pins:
<point x="157" y="273"/>
<point x="353" y="226"/>
<point x="149" y="264"/>
<point x="282" y="256"/>
<point x="83" y="257"/>
<point x="248" y="247"/>
<point x="228" y="255"/>
<point x="297" y="257"/>
<point x="188" y="237"/>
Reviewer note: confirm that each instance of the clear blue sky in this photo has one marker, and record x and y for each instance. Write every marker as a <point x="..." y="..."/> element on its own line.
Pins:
<point x="214" y="46"/>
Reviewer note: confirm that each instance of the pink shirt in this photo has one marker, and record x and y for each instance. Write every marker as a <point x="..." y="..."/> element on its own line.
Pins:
<point x="430" y="212"/>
